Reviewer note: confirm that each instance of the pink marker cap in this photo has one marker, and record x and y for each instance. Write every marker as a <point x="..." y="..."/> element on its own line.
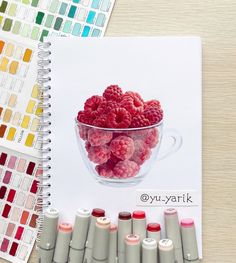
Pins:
<point x="132" y="239"/>
<point x="65" y="227"/>
<point x="153" y="227"/>
<point x="139" y="214"/>
<point x="187" y="222"/>
<point x="170" y="211"/>
<point x="113" y="228"/>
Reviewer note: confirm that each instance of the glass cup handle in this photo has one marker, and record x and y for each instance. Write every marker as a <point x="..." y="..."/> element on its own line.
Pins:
<point x="174" y="147"/>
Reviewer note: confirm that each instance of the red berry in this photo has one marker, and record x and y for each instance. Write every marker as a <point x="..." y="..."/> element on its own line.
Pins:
<point x="141" y="153"/>
<point x="151" y="138"/>
<point x="132" y="102"/>
<point x="97" y="137"/>
<point x="99" y="154"/>
<point x="139" y="121"/>
<point x="152" y="104"/>
<point x="101" y="121"/>
<point x="154" y="115"/>
<point x="83" y="132"/>
<point x="126" y="169"/>
<point x="87" y="146"/>
<point x="122" y="147"/>
<point x="113" y="92"/>
<point x="85" y="117"/>
<point x="105" y="170"/>
<point x="111" y="104"/>
<point x="95" y="105"/>
<point x="118" y="118"/>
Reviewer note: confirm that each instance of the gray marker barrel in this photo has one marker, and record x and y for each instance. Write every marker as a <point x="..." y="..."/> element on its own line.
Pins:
<point x="124" y="229"/>
<point x="97" y="212"/>
<point x="48" y="235"/>
<point x="139" y="224"/>
<point x="101" y="240"/>
<point x="173" y="232"/>
<point x="189" y="240"/>
<point x="79" y="236"/>
<point x="63" y="243"/>
<point x="132" y="249"/>
<point x="166" y="251"/>
<point x="112" y="255"/>
<point x="149" y="250"/>
<point x="154" y="231"/>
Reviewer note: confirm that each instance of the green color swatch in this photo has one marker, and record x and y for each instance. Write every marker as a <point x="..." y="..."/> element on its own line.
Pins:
<point x="54" y="6"/>
<point x="3" y="6"/>
<point x="39" y="18"/>
<point x="58" y="23"/>
<point x="35" y="33"/>
<point x="26" y="2"/>
<point x="67" y="27"/>
<point x="35" y="3"/>
<point x="16" y="27"/>
<point x="12" y="9"/>
<point x="49" y="20"/>
<point x="44" y="34"/>
<point x="7" y="24"/>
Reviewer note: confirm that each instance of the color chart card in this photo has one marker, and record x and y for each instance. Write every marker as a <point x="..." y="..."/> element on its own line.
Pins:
<point x="19" y="96"/>
<point x="35" y="19"/>
<point x="18" y="203"/>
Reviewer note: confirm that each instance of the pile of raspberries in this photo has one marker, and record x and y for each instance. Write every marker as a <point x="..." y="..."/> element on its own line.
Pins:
<point x="119" y="154"/>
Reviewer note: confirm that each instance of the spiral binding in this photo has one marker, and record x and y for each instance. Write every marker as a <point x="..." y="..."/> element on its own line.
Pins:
<point x="44" y="131"/>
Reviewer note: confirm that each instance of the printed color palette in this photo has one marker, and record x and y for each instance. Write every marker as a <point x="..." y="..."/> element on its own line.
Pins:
<point x="19" y="178"/>
<point x="19" y="97"/>
<point x="36" y="19"/>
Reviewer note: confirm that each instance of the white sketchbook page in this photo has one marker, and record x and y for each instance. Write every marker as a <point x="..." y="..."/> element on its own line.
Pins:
<point x="166" y="68"/>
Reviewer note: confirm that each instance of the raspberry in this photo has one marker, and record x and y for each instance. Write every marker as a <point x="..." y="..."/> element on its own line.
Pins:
<point x="137" y="134"/>
<point x="152" y="104"/>
<point x="154" y="115"/>
<point x="141" y="153"/>
<point x="122" y="147"/>
<point x="87" y="146"/>
<point x="111" y="105"/>
<point x="95" y="105"/>
<point x="113" y="92"/>
<point x="139" y="121"/>
<point x="126" y="169"/>
<point x="97" y="137"/>
<point x="105" y="170"/>
<point x="83" y="132"/>
<point x="118" y="118"/>
<point x="152" y="138"/>
<point x="99" y="154"/>
<point x="101" y="121"/>
<point x="85" y="117"/>
<point x="132" y="102"/>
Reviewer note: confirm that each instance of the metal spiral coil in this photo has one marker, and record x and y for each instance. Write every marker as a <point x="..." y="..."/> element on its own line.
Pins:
<point x="43" y="80"/>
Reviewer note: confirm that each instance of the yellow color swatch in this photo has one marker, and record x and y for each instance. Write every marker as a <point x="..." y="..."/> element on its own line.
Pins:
<point x="39" y="111"/>
<point x="35" y="91"/>
<point x="11" y="134"/>
<point x="34" y="125"/>
<point x="12" y="100"/>
<point x="9" y="50"/>
<point x="3" y="64"/>
<point x="29" y="140"/>
<point x="30" y="107"/>
<point x="13" y="67"/>
<point x="27" y="55"/>
<point x="7" y="115"/>
<point x="25" y="122"/>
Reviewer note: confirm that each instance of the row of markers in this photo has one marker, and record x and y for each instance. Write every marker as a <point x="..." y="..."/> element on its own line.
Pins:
<point x="93" y="239"/>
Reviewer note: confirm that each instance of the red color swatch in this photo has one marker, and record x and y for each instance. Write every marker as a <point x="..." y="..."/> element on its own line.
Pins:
<point x="19" y="232"/>
<point x="13" y="249"/>
<point x="6" y="210"/>
<point x="3" y="190"/>
<point x="3" y="158"/>
<point x="11" y="195"/>
<point x="4" y="245"/>
<point x="34" y="187"/>
<point x="30" y="168"/>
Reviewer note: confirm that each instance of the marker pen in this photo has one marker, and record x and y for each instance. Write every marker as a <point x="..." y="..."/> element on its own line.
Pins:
<point x="112" y="255"/>
<point x="173" y="232"/>
<point x="132" y="249"/>
<point x="79" y="236"/>
<point x="48" y="235"/>
<point x="154" y="231"/>
<point x="189" y="240"/>
<point x="166" y="251"/>
<point x="101" y="240"/>
<point x="63" y="243"/>
<point x="124" y="229"/>
<point x="97" y="212"/>
<point x="149" y="250"/>
<point x="139" y="224"/>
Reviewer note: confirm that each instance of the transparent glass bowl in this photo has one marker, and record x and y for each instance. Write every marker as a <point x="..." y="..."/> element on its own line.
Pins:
<point x="120" y="167"/>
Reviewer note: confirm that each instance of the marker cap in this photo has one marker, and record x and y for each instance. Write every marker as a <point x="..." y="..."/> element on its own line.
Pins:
<point x="132" y="239"/>
<point x="170" y="211"/>
<point x="65" y="227"/>
<point x="125" y="215"/>
<point x="139" y="214"/>
<point x="153" y="227"/>
<point x="166" y="245"/>
<point x="98" y="212"/>
<point x="187" y="222"/>
<point x="149" y="243"/>
<point x="113" y="228"/>
<point x="51" y="213"/>
<point x="83" y="212"/>
<point x="103" y="222"/>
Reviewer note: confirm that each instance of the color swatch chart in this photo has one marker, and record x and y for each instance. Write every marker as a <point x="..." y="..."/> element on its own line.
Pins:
<point x="19" y="97"/>
<point x="36" y="19"/>
<point x="18" y="186"/>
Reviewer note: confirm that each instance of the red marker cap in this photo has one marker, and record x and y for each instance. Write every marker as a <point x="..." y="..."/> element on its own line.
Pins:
<point x="98" y="212"/>
<point x="153" y="227"/>
<point x="125" y="215"/>
<point x="139" y="215"/>
<point x="187" y="222"/>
